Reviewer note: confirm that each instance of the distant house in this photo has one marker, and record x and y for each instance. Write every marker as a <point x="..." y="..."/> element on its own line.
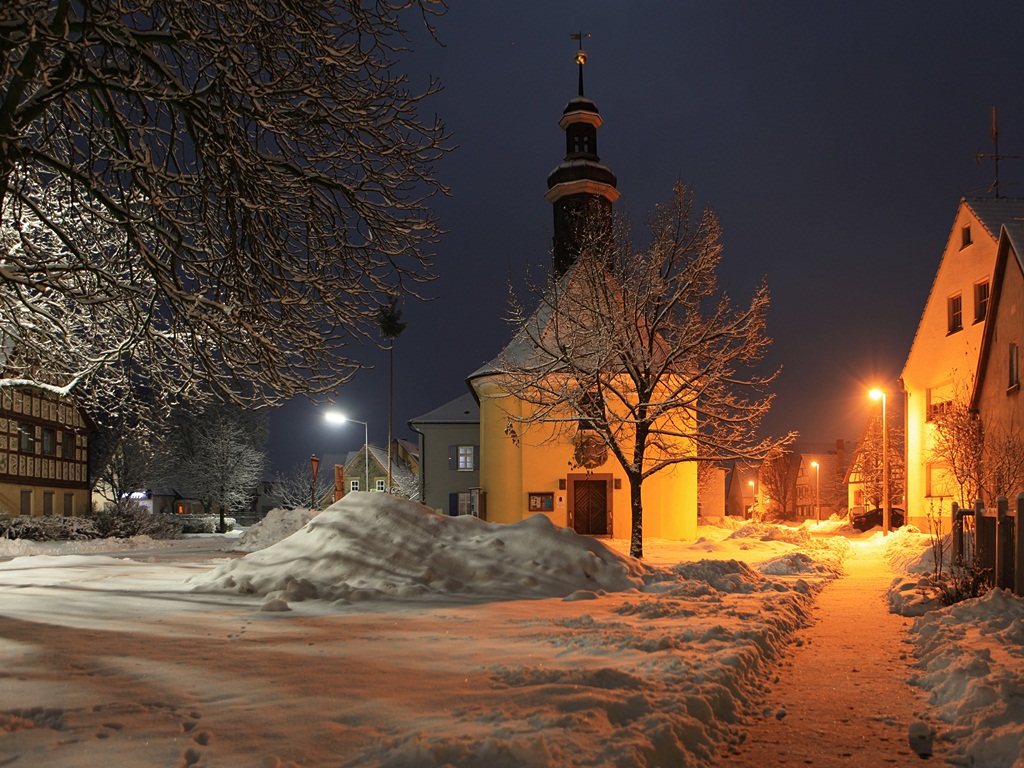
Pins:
<point x="449" y="446"/>
<point x="367" y="469"/>
<point x="820" y="490"/>
<point x="945" y="356"/>
<point x="44" y="454"/>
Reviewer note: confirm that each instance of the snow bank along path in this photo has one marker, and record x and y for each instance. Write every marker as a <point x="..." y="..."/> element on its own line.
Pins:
<point x="842" y="697"/>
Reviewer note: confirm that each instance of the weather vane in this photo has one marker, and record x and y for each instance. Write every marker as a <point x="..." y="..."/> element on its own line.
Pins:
<point x="581" y="55"/>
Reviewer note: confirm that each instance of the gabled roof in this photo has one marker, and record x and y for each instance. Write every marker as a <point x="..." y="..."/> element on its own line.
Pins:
<point x="993" y="213"/>
<point x="462" y="410"/>
<point x="1011" y="239"/>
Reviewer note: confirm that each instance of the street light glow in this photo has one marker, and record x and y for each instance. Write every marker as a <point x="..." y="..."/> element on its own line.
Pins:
<point x="335" y="418"/>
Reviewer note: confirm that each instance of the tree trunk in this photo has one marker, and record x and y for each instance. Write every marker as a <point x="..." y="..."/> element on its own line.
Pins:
<point x="636" y="507"/>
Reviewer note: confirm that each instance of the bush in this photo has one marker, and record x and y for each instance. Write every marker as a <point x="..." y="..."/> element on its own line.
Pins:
<point x="134" y="520"/>
<point x="203" y="523"/>
<point x="50" y="528"/>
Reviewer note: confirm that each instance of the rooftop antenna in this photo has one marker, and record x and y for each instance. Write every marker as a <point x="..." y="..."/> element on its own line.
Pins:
<point x="994" y="154"/>
<point x="581" y="55"/>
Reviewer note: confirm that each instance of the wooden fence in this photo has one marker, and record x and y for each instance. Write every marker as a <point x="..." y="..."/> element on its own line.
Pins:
<point x="998" y="541"/>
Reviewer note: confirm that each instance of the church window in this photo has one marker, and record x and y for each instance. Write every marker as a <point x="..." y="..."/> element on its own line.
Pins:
<point x="955" y="313"/>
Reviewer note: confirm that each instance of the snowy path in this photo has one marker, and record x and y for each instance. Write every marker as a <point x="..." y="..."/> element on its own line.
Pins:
<point x="841" y="697"/>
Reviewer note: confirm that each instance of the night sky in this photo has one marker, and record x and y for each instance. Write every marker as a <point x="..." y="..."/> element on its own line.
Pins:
<point x="834" y="144"/>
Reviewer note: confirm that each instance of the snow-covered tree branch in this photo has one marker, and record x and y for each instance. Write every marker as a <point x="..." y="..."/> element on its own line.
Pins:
<point x="208" y="198"/>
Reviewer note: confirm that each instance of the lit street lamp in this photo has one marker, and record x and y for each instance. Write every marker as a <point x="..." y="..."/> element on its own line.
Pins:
<point x="339" y="418"/>
<point x="877" y="394"/>
<point x="817" y="490"/>
<point x="753" y="497"/>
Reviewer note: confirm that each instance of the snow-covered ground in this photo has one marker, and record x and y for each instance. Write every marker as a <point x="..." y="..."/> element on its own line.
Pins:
<point x="381" y="634"/>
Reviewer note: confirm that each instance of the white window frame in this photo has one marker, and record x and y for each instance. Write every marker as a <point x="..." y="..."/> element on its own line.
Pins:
<point x="465" y="458"/>
<point x="353" y="485"/>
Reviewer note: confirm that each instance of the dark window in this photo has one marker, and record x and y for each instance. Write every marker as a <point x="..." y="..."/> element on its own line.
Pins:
<point x="67" y="449"/>
<point x="69" y="504"/>
<point x="965" y="236"/>
<point x="47" y="503"/>
<point x="26" y="502"/>
<point x="980" y="301"/>
<point x="49" y="442"/>
<point x="26" y="437"/>
<point x="956" y="315"/>
<point x="1014" y="371"/>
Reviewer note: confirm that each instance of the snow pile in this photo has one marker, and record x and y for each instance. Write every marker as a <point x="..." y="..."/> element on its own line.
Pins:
<point x="972" y="660"/>
<point x="912" y="554"/>
<point x="371" y="546"/>
<point x="277" y="525"/>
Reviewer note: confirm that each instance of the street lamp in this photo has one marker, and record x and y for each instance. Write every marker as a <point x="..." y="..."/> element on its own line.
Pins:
<point x="817" y="490"/>
<point x="753" y="496"/>
<point x="334" y="417"/>
<point x="877" y="394"/>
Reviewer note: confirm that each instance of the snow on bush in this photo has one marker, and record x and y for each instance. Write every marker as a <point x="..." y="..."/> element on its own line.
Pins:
<point x="48" y="528"/>
<point x="373" y="546"/>
<point x="278" y="525"/>
<point x="972" y="660"/>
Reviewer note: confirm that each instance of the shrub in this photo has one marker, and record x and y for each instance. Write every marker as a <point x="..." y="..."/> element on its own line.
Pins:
<point x="49" y="528"/>
<point x="134" y="520"/>
<point x="956" y="580"/>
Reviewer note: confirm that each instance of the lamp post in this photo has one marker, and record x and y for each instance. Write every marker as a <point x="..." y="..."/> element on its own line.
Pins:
<point x="817" y="490"/>
<point x="339" y="418"/>
<point x="314" y="464"/>
<point x="753" y="497"/>
<point x="877" y="394"/>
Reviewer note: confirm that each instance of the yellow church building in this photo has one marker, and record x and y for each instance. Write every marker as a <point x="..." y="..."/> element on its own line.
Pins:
<point x="544" y="468"/>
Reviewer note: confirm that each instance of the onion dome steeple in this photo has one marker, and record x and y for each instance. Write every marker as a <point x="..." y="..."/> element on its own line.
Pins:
<point x="581" y="190"/>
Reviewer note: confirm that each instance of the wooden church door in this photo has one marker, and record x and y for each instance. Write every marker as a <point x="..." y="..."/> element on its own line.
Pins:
<point x="590" y="507"/>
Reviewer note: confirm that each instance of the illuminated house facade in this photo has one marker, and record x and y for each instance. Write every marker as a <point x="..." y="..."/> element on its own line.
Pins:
<point x="541" y="472"/>
<point x="944" y="358"/>
<point x="44" y="455"/>
<point x="997" y="398"/>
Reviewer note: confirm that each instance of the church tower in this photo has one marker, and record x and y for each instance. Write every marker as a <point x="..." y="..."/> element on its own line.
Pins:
<point x="580" y="189"/>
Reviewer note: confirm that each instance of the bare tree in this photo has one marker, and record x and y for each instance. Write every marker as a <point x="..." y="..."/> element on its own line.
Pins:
<point x="636" y="350"/>
<point x="777" y="476"/>
<point x="233" y="188"/>
<point x="123" y="459"/>
<point x="218" y="456"/>
<point x="869" y="462"/>
<point x="1002" y="462"/>
<point x="958" y="445"/>
<point x="293" y="488"/>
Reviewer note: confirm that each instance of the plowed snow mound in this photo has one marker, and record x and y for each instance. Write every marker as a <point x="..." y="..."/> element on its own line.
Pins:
<point x="370" y="546"/>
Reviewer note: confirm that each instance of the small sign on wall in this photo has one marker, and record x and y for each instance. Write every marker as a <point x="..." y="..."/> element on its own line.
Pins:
<point x="542" y="502"/>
